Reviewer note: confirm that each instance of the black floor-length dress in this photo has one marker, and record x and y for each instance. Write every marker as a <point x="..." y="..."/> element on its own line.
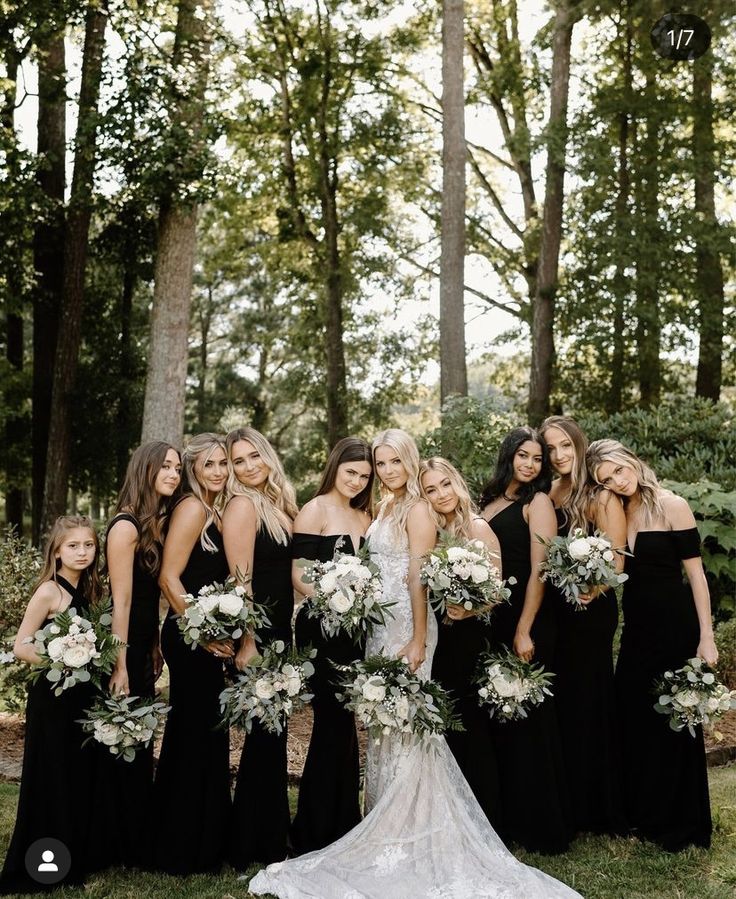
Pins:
<point x="455" y="667"/>
<point x="586" y="708"/>
<point x="55" y="793"/>
<point x="191" y="789"/>
<point x="260" y="815"/>
<point x="329" y="804"/>
<point x="665" y="775"/>
<point x="534" y="799"/>
<point x="122" y="834"/>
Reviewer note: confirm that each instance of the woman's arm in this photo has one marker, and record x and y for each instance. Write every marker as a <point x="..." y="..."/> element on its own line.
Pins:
<point x="122" y="540"/>
<point x="542" y="523"/>
<point x="185" y="527"/>
<point x="239" y="528"/>
<point x="479" y="530"/>
<point x="44" y="602"/>
<point x="422" y="533"/>
<point x="680" y="517"/>
<point x="310" y="520"/>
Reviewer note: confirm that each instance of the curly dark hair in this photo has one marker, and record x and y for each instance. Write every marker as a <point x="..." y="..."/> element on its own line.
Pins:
<point x="505" y="468"/>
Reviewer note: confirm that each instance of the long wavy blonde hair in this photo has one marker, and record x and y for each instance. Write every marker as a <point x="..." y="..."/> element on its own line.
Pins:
<point x="576" y="505"/>
<point x="203" y="445"/>
<point x="608" y="450"/>
<point x="406" y="449"/>
<point x="465" y="510"/>
<point x="278" y="494"/>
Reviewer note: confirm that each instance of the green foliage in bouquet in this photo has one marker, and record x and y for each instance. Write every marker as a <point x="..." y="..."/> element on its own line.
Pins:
<point x="124" y="724"/>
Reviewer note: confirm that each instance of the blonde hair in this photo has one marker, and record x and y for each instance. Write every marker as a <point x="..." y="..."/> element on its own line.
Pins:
<point x="278" y="492"/>
<point x="608" y="450"/>
<point x="202" y="445"/>
<point x="465" y="510"/>
<point x="406" y="449"/>
<point x="576" y="505"/>
<point x="90" y="583"/>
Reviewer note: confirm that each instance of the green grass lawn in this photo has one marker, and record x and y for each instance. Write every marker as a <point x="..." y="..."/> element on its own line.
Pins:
<point x="596" y="867"/>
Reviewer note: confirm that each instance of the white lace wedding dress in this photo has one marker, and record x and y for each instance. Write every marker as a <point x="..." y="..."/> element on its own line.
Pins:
<point x="424" y="835"/>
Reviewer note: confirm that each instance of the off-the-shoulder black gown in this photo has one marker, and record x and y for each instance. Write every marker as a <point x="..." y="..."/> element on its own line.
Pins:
<point x="121" y="834"/>
<point x="586" y="707"/>
<point x="534" y="798"/>
<point x="665" y="775"/>
<point x="192" y="789"/>
<point x="55" y="790"/>
<point x="329" y="791"/>
<point x="260" y="816"/>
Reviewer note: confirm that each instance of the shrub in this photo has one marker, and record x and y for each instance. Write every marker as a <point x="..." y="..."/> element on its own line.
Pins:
<point x="726" y="642"/>
<point x="687" y="439"/>
<point x="471" y="431"/>
<point x="20" y="566"/>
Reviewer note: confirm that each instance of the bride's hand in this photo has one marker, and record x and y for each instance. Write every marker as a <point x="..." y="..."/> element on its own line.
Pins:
<point x="413" y="653"/>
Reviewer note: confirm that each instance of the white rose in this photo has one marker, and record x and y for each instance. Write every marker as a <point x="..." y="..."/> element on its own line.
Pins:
<point x="73" y="629"/>
<point x="106" y="733"/>
<point x="461" y="569"/>
<point x="608" y="555"/>
<point x="503" y="686"/>
<point x="340" y="603"/>
<point x="713" y="704"/>
<point x="362" y="573"/>
<point x="293" y="686"/>
<point x="230" y="605"/>
<point x="374" y="689"/>
<point x="54" y="629"/>
<point x="77" y="656"/>
<point x="208" y="603"/>
<point x="55" y="648"/>
<point x="91" y="637"/>
<point x="328" y="582"/>
<point x="402" y="708"/>
<point x="478" y="574"/>
<point x="579" y="549"/>
<point x="76" y="620"/>
<point x="688" y="698"/>
<point x="264" y="689"/>
<point x="454" y="553"/>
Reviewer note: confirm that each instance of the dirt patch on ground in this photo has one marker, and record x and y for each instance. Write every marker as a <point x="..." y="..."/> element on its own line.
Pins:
<point x="12" y="732"/>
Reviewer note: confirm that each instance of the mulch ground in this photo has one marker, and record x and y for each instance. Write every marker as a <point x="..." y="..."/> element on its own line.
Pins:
<point x="12" y="731"/>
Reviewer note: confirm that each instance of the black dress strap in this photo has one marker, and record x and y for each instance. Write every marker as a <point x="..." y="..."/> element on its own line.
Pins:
<point x="687" y="543"/>
<point x="124" y="516"/>
<point x="77" y="599"/>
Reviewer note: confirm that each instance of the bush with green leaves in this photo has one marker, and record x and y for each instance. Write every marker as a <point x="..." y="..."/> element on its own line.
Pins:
<point x="469" y="436"/>
<point x="20" y="566"/>
<point x="726" y="643"/>
<point x="715" y="512"/>
<point x="685" y="439"/>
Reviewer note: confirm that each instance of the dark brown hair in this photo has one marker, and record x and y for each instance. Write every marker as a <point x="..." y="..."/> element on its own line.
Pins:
<point x="349" y="449"/>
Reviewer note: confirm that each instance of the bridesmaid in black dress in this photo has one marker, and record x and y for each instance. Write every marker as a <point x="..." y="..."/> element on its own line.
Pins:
<point x="462" y="637"/>
<point x="192" y="790"/>
<point x="534" y="799"/>
<point x="257" y="527"/>
<point x="55" y="799"/>
<point x="666" y="622"/>
<point x="329" y="803"/>
<point x="133" y="549"/>
<point x="583" y="661"/>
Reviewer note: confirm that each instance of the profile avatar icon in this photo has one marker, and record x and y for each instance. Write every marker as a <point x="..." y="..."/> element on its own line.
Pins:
<point x="48" y="863"/>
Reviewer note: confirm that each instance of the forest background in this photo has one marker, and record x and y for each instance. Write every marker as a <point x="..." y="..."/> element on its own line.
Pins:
<point x="323" y="217"/>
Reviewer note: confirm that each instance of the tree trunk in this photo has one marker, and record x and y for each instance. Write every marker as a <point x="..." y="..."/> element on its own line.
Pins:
<point x="75" y="262"/>
<point x="623" y="198"/>
<point x="648" y="325"/>
<point x="126" y="358"/>
<point x="163" y="409"/>
<point x="13" y="263"/>
<point x="543" y="349"/>
<point x="48" y="254"/>
<point x="709" y="273"/>
<point x="453" y="370"/>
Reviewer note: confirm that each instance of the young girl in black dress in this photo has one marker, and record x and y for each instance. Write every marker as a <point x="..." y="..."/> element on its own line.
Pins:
<point x="583" y="660"/>
<point x="257" y="527"/>
<point x="329" y="803"/>
<point x="133" y="549"/>
<point x="534" y="799"/>
<point x="192" y="790"/>
<point x="55" y="795"/>
<point x="666" y="622"/>
<point x="462" y="638"/>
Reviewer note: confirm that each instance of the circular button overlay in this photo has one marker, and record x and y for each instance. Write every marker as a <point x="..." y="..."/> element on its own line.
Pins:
<point x="48" y="860"/>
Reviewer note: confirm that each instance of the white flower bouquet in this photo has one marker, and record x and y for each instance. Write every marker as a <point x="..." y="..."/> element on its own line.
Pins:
<point x="463" y="573"/>
<point x="691" y="695"/>
<point x="509" y="686"/>
<point x="577" y="563"/>
<point x="219" y="612"/>
<point x="347" y="593"/>
<point x="74" y="649"/>
<point x="386" y="697"/>
<point x="269" y="690"/>
<point x="124" y="724"/>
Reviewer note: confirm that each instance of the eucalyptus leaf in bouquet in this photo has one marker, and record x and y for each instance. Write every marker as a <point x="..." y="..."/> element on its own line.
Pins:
<point x="219" y="612"/>
<point x="125" y="724"/>
<point x="508" y="686"/>
<point x="692" y="695"/>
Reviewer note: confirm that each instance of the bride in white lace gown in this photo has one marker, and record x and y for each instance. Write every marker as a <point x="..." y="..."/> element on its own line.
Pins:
<point x="424" y="835"/>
